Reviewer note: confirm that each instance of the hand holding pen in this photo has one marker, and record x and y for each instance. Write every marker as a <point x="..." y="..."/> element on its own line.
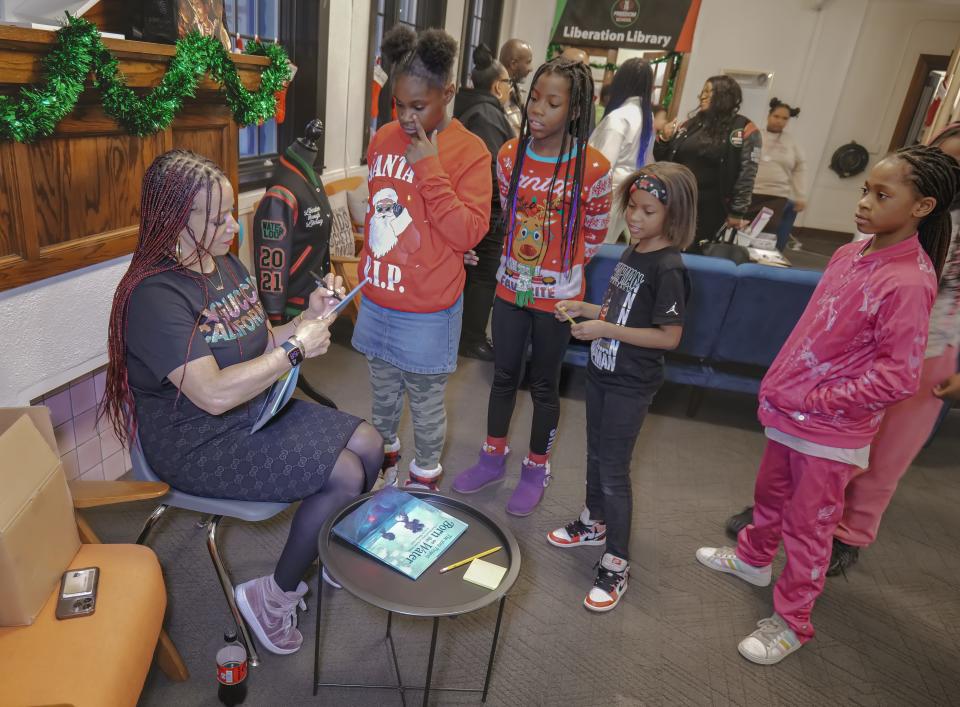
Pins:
<point x="329" y="293"/>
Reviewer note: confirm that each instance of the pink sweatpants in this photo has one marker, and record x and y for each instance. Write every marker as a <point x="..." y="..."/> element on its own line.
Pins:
<point x="799" y="499"/>
<point x="905" y="429"/>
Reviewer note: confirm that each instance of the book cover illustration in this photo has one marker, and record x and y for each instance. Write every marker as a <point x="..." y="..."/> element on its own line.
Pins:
<point x="400" y="530"/>
<point x="280" y="393"/>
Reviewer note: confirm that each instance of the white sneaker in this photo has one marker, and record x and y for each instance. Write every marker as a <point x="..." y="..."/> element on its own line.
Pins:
<point x="582" y="531"/>
<point x="770" y="643"/>
<point x="724" y="559"/>
<point x="610" y="584"/>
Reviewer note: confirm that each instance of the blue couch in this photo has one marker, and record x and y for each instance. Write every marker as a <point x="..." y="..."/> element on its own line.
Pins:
<point x="738" y="317"/>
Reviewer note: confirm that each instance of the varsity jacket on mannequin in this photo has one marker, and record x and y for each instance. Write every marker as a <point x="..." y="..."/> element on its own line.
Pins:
<point x="291" y="231"/>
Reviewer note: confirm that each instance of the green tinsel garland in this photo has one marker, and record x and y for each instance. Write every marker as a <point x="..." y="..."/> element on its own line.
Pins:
<point x="554" y="50"/>
<point x="79" y="50"/>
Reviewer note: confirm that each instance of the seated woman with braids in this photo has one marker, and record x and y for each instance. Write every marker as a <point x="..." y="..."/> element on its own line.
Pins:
<point x="191" y="358"/>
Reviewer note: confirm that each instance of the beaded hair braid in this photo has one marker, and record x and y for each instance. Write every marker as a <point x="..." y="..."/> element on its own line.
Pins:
<point x="574" y="138"/>
<point x="170" y="185"/>
<point x="933" y="173"/>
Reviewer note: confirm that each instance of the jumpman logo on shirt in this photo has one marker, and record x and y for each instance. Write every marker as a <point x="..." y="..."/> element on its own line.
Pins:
<point x="673" y="310"/>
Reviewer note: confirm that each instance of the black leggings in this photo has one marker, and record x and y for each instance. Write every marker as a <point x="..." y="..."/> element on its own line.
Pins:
<point x="614" y="419"/>
<point x="355" y="471"/>
<point x="512" y="328"/>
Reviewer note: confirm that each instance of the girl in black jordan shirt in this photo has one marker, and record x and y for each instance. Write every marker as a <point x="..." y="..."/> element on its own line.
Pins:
<point x="641" y="317"/>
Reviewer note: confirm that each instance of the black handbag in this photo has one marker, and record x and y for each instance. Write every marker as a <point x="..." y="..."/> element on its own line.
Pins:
<point x="722" y="246"/>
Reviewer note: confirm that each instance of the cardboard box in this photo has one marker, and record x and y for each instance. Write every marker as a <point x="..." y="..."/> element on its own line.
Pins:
<point x="38" y="531"/>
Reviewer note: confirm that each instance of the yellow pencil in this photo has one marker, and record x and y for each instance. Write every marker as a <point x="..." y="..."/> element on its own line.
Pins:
<point x="563" y="311"/>
<point x="471" y="559"/>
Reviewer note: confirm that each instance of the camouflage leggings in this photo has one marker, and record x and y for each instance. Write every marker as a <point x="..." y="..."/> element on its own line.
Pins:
<point x="426" y="391"/>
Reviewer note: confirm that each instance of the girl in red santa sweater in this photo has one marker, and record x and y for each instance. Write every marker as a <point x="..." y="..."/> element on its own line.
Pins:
<point x="430" y="190"/>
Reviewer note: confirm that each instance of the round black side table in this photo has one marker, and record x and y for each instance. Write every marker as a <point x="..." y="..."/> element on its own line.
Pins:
<point x="432" y="595"/>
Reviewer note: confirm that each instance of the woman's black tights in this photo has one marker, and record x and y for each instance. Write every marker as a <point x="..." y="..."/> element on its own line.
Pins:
<point x="355" y="471"/>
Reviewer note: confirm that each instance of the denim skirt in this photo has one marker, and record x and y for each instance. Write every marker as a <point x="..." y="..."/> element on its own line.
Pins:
<point x="415" y="342"/>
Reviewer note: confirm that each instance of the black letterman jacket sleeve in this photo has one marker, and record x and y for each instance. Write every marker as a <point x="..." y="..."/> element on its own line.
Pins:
<point x="273" y="228"/>
<point x="749" y="163"/>
<point x="664" y="150"/>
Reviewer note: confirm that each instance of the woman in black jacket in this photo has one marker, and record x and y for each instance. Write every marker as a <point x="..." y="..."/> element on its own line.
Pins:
<point x="722" y="149"/>
<point x="481" y="111"/>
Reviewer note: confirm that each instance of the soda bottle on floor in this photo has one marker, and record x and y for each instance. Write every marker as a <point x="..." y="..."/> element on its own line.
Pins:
<point x="232" y="670"/>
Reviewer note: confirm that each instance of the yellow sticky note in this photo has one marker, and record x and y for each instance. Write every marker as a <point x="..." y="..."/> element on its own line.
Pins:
<point x="484" y="573"/>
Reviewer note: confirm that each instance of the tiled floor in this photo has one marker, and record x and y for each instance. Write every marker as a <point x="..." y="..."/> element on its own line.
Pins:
<point x="887" y="635"/>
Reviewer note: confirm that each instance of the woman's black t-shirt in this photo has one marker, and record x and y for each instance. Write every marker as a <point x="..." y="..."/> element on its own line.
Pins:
<point x="645" y="290"/>
<point x="175" y="317"/>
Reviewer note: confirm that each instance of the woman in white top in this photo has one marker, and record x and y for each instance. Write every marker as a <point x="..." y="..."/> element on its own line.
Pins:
<point x="781" y="175"/>
<point x="625" y="135"/>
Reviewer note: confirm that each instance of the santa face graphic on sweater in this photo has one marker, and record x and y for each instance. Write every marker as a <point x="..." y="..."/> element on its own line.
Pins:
<point x="388" y="222"/>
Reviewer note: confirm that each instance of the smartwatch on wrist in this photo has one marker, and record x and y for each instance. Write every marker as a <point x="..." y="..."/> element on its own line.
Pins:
<point x="294" y="353"/>
<point x="295" y="340"/>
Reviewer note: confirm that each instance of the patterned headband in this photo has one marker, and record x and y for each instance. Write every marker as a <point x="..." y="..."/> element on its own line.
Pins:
<point x="651" y="185"/>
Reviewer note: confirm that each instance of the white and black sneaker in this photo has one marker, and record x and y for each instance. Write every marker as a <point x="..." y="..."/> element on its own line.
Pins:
<point x="582" y="531"/>
<point x="610" y="584"/>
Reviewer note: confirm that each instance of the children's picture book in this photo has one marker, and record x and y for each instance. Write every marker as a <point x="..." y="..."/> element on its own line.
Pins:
<point x="278" y="396"/>
<point x="400" y="530"/>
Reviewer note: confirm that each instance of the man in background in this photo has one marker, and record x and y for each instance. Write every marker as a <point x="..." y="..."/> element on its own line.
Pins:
<point x="517" y="58"/>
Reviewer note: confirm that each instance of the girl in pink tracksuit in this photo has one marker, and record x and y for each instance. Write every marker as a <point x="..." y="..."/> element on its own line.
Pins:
<point x="856" y="350"/>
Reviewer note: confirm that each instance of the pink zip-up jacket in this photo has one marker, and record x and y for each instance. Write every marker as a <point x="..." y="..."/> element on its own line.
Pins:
<point x="857" y="348"/>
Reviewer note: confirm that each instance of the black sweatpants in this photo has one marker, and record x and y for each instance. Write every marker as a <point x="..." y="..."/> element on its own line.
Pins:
<point x="513" y="327"/>
<point x="480" y="289"/>
<point x="614" y="419"/>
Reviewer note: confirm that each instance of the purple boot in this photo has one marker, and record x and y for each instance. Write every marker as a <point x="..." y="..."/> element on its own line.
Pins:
<point x="534" y="479"/>
<point x="488" y="470"/>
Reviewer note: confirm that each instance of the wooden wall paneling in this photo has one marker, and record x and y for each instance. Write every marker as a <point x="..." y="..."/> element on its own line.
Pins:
<point x="27" y="202"/>
<point x="69" y="256"/>
<point x="88" y="185"/>
<point x="72" y="200"/>
<point x="207" y="130"/>
<point x="11" y="222"/>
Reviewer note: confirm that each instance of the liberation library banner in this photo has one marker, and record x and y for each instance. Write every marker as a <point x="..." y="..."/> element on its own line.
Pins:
<point x="665" y="25"/>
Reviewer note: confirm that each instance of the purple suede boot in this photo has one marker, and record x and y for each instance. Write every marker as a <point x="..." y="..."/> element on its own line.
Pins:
<point x="489" y="469"/>
<point x="534" y="479"/>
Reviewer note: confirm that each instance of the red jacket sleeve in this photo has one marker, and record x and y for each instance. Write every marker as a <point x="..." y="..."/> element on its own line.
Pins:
<point x="460" y="212"/>
<point x="596" y="207"/>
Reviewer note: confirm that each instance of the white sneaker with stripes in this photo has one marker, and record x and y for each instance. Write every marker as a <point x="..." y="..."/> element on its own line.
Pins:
<point x="724" y="559"/>
<point x="770" y="643"/>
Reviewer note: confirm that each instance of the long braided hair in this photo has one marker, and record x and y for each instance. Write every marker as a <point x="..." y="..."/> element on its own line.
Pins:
<point x="170" y="185"/>
<point x="575" y="138"/>
<point x="933" y="173"/>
